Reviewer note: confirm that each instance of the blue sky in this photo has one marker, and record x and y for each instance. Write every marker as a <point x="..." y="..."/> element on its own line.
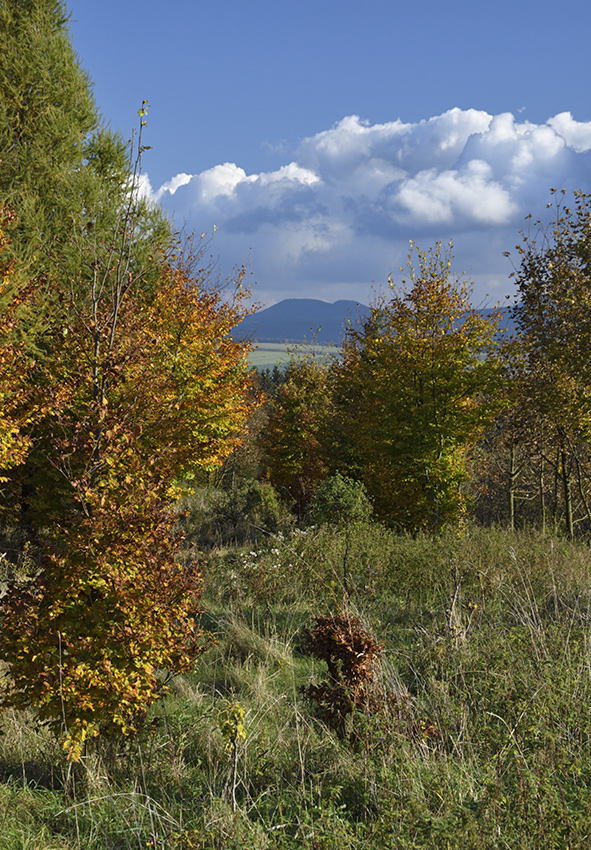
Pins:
<point x="320" y="137"/>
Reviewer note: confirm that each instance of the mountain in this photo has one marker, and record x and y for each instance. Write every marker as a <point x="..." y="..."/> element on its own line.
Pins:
<point x="307" y="319"/>
<point x="299" y="319"/>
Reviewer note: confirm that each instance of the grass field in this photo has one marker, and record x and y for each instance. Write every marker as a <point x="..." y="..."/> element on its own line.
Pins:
<point x="477" y="734"/>
<point x="268" y="354"/>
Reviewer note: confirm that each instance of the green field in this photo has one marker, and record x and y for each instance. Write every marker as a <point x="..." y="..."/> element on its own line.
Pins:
<point x="269" y="354"/>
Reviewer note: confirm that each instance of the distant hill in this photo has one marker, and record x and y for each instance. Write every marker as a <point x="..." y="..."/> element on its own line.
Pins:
<point x="296" y="320"/>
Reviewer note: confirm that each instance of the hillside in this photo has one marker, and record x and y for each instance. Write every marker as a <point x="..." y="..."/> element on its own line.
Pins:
<point x="299" y="319"/>
<point x="310" y="321"/>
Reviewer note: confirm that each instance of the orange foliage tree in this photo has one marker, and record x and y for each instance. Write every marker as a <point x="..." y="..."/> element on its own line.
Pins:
<point x="143" y="383"/>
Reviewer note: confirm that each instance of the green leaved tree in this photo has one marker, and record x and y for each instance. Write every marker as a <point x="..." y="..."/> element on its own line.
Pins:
<point x="61" y="170"/>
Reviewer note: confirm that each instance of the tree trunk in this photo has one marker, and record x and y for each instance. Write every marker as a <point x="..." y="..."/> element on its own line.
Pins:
<point x="566" y="489"/>
<point x="512" y="482"/>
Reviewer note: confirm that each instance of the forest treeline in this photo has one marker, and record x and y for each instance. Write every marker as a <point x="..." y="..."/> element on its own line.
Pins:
<point x="123" y="390"/>
<point x="438" y="414"/>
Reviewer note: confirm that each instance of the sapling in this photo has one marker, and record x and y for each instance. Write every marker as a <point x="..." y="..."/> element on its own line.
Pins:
<point x="231" y="723"/>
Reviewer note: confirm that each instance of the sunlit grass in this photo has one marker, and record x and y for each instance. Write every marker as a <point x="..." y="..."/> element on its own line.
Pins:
<point x="486" y="740"/>
<point x="268" y="354"/>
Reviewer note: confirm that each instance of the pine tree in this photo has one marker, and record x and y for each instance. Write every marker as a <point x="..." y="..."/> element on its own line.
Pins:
<point x="61" y="170"/>
<point x="46" y="114"/>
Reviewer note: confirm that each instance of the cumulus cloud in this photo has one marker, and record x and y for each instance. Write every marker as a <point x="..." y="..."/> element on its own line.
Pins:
<point x="576" y="134"/>
<point x="339" y="216"/>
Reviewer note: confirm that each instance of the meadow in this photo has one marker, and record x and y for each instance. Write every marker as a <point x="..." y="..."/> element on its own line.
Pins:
<point x="269" y="354"/>
<point x="474" y="730"/>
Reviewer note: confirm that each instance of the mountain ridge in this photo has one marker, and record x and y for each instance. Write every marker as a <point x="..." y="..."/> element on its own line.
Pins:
<point x="297" y="320"/>
<point x="304" y="319"/>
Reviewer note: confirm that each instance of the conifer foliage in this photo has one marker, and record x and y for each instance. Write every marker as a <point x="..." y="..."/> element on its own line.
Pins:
<point x="48" y="119"/>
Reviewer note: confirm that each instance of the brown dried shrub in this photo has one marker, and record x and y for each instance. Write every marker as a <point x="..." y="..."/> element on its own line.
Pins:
<point x="350" y="652"/>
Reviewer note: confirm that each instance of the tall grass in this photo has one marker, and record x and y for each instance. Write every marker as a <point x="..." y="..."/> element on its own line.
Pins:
<point x="484" y="740"/>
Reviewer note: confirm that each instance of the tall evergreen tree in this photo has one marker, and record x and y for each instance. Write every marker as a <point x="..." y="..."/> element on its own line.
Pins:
<point x="46" y="115"/>
<point x="61" y="170"/>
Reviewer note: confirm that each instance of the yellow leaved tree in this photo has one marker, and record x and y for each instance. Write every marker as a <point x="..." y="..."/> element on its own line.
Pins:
<point x="417" y="386"/>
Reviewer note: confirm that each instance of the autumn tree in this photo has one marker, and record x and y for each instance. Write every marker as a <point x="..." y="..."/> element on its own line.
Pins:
<point x="511" y="480"/>
<point x="118" y="375"/>
<point x="420" y="378"/>
<point x="145" y="391"/>
<point x="553" y="315"/>
<point x="142" y="383"/>
<point x="293" y="456"/>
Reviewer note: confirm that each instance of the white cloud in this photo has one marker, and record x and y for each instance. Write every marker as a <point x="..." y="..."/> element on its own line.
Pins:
<point x="340" y="215"/>
<point x="576" y="134"/>
<point x="172" y="185"/>
<point x="292" y="172"/>
<point x="450" y="196"/>
<point x="144" y="187"/>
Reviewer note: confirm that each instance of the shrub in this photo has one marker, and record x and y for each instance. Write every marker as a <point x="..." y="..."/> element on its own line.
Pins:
<point x="349" y="651"/>
<point x="339" y="500"/>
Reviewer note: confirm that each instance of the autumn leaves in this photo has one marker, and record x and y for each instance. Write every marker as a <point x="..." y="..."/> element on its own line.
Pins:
<point x="137" y="384"/>
<point x="413" y="391"/>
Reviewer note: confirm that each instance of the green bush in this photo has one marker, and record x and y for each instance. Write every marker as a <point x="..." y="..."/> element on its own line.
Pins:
<point x="240" y="512"/>
<point x="340" y="500"/>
